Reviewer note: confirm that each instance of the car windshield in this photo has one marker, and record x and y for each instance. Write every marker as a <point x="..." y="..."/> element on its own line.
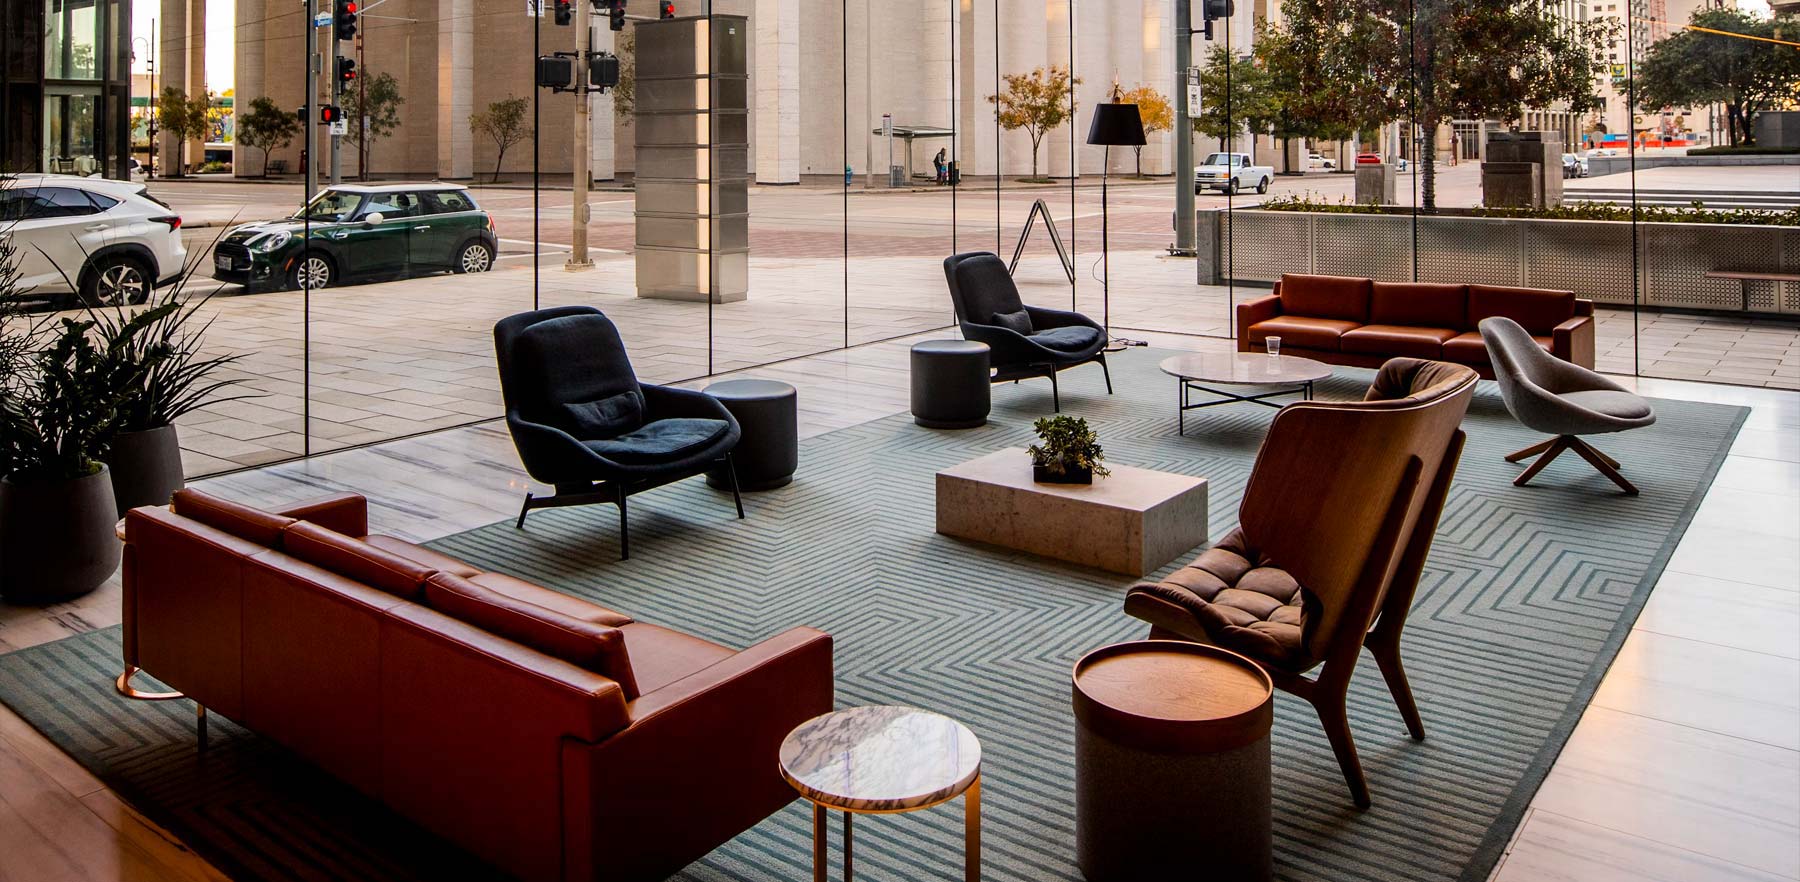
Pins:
<point x="1218" y="159"/>
<point x="330" y="206"/>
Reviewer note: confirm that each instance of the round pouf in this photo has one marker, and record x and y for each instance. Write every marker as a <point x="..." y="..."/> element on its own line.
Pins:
<point x="769" y="451"/>
<point x="951" y="386"/>
<point x="1172" y="764"/>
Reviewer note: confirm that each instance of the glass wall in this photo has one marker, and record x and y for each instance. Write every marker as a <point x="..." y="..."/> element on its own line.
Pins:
<point x="772" y="180"/>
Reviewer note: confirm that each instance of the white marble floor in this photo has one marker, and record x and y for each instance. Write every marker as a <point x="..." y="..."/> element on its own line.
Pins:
<point x="1685" y="768"/>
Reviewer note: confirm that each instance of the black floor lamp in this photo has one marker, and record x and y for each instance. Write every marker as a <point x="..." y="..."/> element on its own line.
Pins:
<point x="1116" y="124"/>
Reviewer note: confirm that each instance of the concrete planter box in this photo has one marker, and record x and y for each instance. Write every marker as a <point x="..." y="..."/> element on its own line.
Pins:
<point x="1592" y="258"/>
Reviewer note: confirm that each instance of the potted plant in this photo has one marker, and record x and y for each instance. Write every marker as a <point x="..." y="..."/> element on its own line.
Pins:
<point x="158" y="349"/>
<point x="1068" y="452"/>
<point x="58" y="402"/>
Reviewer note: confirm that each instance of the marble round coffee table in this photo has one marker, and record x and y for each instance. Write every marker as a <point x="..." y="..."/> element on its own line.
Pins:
<point x="1273" y="375"/>
<point x="884" y="760"/>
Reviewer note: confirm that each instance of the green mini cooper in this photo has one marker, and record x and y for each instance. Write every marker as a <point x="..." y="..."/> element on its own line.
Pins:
<point x="361" y="232"/>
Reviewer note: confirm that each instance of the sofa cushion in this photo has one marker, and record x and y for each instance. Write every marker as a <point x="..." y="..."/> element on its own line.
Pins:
<point x="355" y="559"/>
<point x="1468" y="348"/>
<point x="1017" y="321"/>
<point x="242" y="521"/>
<point x="1411" y="342"/>
<point x="661" y="656"/>
<point x="1073" y="338"/>
<point x="662" y="441"/>
<point x="1420" y="305"/>
<point x="556" y="601"/>
<point x="1306" y="333"/>
<point x="597" y="648"/>
<point x="1326" y="297"/>
<point x="608" y="417"/>
<point x="1537" y="309"/>
<point x="419" y="554"/>
<point x="1242" y="601"/>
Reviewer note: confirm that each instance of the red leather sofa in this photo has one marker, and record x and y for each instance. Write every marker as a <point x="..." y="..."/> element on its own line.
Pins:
<point x="557" y="739"/>
<point x="1352" y="321"/>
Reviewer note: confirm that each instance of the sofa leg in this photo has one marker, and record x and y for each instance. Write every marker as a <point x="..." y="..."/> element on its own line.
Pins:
<point x="619" y="496"/>
<point x="200" y="723"/>
<point x="523" y="511"/>
<point x="736" y="496"/>
<point x="1108" y="372"/>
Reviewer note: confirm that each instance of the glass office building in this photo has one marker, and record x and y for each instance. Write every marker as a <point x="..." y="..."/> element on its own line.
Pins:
<point x="65" y="86"/>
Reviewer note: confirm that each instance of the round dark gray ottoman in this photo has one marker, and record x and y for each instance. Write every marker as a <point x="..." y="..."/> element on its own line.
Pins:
<point x="951" y="388"/>
<point x="769" y="451"/>
<point x="1172" y="764"/>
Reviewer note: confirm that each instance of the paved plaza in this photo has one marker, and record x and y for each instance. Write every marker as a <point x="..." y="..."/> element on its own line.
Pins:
<point x="399" y="358"/>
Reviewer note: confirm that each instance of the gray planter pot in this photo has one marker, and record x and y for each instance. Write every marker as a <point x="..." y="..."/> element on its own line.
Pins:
<point x="56" y="538"/>
<point x="146" y="468"/>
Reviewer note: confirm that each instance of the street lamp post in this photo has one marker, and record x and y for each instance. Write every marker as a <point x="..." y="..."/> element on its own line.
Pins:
<point x="150" y="68"/>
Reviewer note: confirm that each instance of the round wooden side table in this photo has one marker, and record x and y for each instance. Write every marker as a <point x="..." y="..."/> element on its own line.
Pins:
<point x="884" y="760"/>
<point x="1172" y="763"/>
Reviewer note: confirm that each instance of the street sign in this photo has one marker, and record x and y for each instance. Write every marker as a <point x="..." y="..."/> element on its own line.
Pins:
<point x="1193" y="99"/>
<point x="340" y="126"/>
<point x="534" y="9"/>
<point x="321" y="19"/>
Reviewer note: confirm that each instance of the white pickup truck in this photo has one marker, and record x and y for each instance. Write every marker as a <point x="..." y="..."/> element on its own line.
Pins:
<point x="1231" y="172"/>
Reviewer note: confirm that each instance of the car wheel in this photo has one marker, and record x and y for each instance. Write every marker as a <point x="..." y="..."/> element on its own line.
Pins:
<point x="314" y="271"/>
<point x="1231" y="188"/>
<point x="1262" y="186"/>
<point x="475" y="257"/>
<point x="116" y="280"/>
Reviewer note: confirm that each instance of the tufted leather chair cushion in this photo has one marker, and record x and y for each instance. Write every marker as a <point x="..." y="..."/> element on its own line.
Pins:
<point x="1242" y="601"/>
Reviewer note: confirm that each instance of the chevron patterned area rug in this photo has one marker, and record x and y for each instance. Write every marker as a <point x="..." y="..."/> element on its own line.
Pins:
<point x="1527" y="596"/>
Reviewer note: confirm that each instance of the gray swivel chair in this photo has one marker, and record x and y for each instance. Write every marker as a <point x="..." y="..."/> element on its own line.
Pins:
<point x="1566" y="400"/>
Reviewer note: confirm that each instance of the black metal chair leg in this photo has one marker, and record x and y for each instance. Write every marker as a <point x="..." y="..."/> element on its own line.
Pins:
<point x="737" y="497"/>
<point x="523" y="511"/>
<point x="1107" y="371"/>
<point x="620" y="496"/>
<point x="1055" y="394"/>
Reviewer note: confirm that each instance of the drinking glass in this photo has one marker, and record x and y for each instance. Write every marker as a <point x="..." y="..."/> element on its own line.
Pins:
<point x="1273" y="344"/>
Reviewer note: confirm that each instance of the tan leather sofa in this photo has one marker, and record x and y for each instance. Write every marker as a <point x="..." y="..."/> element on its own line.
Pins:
<point x="557" y="739"/>
<point x="1363" y="323"/>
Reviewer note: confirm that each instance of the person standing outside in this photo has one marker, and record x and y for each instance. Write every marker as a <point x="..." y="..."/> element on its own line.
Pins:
<point x="941" y="164"/>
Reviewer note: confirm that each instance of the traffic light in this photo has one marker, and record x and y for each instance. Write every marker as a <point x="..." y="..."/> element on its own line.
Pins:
<point x="603" y="71"/>
<point x="665" y="9"/>
<point x="344" y="26"/>
<point x="330" y="113"/>
<point x="617" y="14"/>
<point x="346" y="70"/>
<point x="555" y="72"/>
<point x="304" y="113"/>
<point x="565" y="13"/>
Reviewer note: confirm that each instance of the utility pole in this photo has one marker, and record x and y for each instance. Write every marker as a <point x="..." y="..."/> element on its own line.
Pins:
<point x="584" y="41"/>
<point x="1184" y="131"/>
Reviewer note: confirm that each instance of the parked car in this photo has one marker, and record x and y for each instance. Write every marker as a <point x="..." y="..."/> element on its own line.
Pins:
<point x="1375" y="159"/>
<point x="1316" y="161"/>
<point x="1574" y="166"/>
<point x="1231" y="172"/>
<point x="107" y="241"/>
<point x="362" y="232"/>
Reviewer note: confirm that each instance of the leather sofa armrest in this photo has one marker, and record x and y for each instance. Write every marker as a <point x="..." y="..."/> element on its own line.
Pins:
<point x="346" y="513"/>
<point x="797" y="659"/>
<point x="1252" y="311"/>
<point x="1573" y="341"/>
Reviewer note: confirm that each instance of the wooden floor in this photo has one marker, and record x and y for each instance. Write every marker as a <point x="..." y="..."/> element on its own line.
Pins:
<point x="1685" y="768"/>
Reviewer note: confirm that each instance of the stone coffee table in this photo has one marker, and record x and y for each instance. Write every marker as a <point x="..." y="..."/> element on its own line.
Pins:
<point x="1132" y="522"/>
<point x="1271" y="375"/>
<point x="884" y="760"/>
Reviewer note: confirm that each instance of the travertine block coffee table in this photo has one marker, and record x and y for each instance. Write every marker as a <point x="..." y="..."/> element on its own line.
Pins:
<point x="1132" y="522"/>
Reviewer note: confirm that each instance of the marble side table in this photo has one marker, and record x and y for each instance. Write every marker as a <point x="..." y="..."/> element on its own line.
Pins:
<point x="884" y="760"/>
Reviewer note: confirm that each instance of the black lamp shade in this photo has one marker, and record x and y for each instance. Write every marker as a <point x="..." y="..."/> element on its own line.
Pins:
<point x="1117" y="125"/>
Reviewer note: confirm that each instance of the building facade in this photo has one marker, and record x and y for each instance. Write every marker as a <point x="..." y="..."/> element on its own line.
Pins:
<point x="65" y="88"/>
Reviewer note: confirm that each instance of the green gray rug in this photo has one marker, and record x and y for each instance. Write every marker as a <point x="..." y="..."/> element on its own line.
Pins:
<point x="1527" y="596"/>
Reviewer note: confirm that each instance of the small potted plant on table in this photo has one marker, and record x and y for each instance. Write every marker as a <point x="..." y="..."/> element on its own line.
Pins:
<point x="1068" y="452"/>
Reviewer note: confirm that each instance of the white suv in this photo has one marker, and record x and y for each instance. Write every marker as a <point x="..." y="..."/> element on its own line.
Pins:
<point x="107" y="241"/>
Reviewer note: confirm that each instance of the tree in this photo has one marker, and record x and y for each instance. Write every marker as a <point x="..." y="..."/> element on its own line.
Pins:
<point x="1154" y="109"/>
<point x="625" y="93"/>
<point x="1037" y="102"/>
<point x="1235" y="96"/>
<point x="372" y="112"/>
<point x="1694" y="68"/>
<point x="504" y="122"/>
<point x="1431" y="61"/>
<point x="183" y="118"/>
<point x="265" y="126"/>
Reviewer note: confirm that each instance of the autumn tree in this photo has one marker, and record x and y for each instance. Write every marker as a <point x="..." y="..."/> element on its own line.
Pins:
<point x="372" y="112"/>
<point x="504" y="122"/>
<point x="265" y="126"/>
<point x="1037" y="102"/>
<point x="1154" y="110"/>
<point x="1694" y="67"/>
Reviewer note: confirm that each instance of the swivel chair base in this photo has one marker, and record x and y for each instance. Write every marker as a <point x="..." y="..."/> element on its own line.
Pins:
<point x="1554" y="447"/>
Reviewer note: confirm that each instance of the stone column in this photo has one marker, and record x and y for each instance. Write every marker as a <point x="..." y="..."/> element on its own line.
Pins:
<point x="1059" y="148"/>
<point x="171" y="70"/>
<point x="1154" y="43"/>
<point x="777" y="79"/>
<point x="248" y="77"/>
<point x="196" y="71"/>
<point x="1022" y="50"/>
<point x="975" y="82"/>
<point x="455" y="88"/>
<point x="603" y="147"/>
<point x="937" y="100"/>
